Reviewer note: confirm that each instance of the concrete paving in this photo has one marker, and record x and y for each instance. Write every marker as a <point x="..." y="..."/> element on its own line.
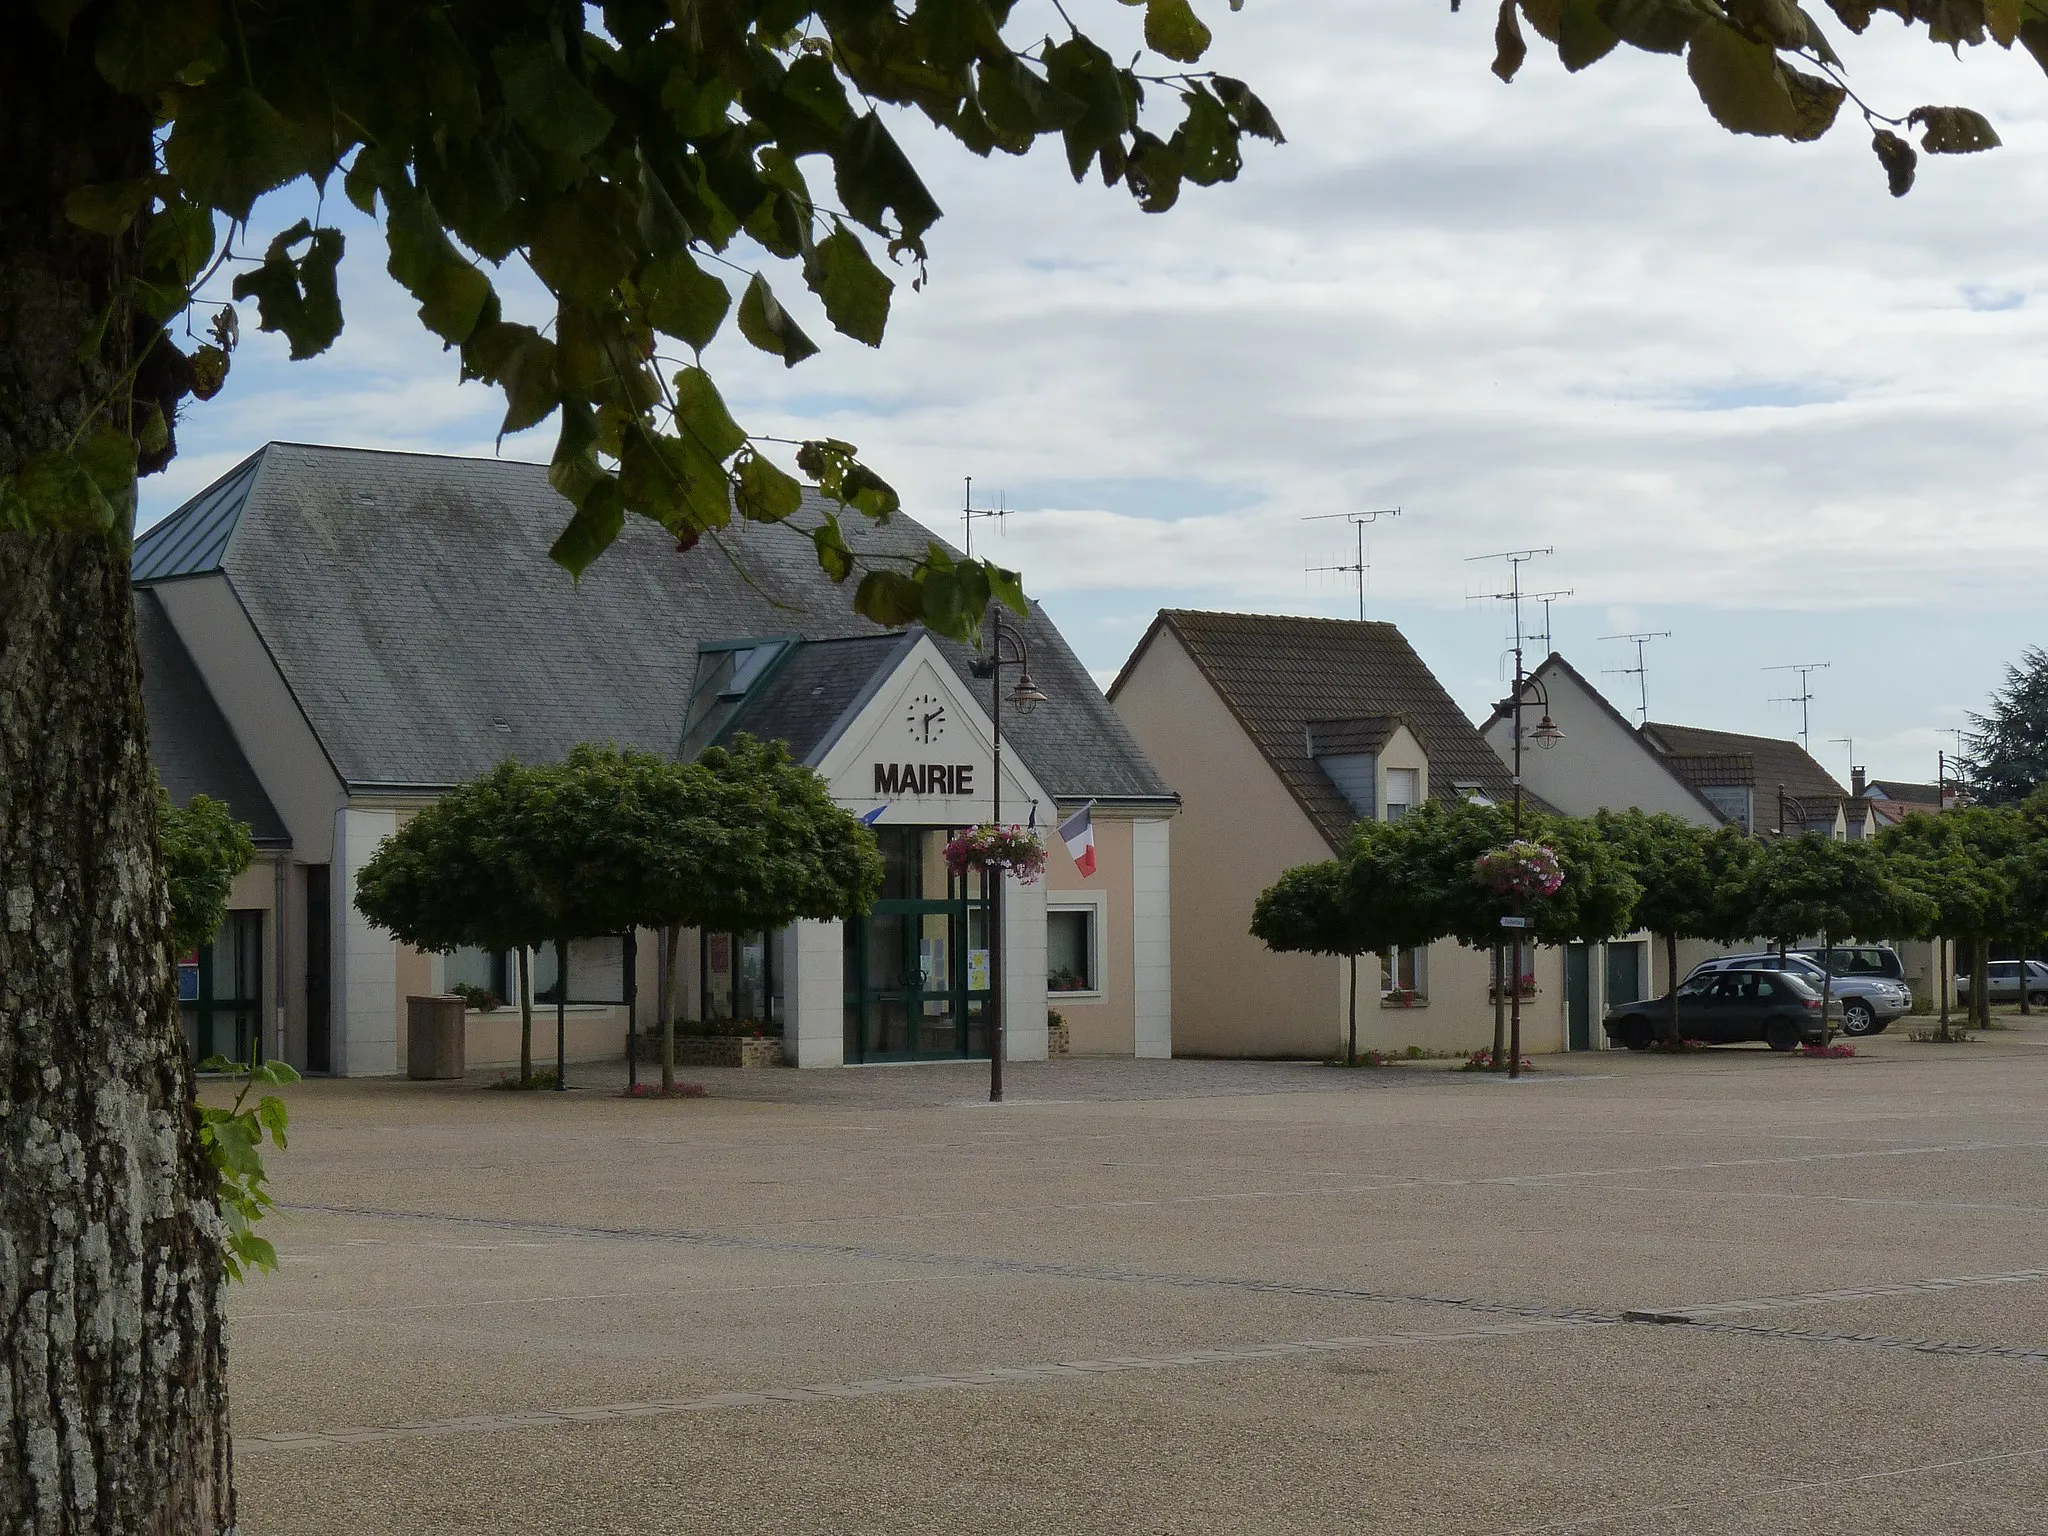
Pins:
<point x="1718" y="1293"/>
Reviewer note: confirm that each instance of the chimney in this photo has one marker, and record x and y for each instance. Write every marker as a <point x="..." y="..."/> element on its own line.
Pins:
<point x="1856" y="782"/>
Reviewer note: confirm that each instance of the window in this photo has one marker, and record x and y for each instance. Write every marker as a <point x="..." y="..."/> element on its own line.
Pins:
<point x="1070" y="958"/>
<point x="597" y="971"/>
<point x="220" y="992"/>
<point x="1405" y="972"/>
<point x="478" y="975"/>
<point x="1402" y="789"/>
<point x="740" y="980"/>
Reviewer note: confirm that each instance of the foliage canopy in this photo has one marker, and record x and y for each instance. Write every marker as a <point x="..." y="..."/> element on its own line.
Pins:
<point x="204" y="848"/>
<point x="2006" y="752"/>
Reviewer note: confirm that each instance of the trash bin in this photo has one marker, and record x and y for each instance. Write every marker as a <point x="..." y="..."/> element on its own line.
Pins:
<point x="433" y="1037"/>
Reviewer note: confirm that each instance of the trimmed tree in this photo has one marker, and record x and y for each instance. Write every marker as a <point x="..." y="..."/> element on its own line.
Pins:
<point x="204" y="849"/>
<point x="1972" y="867"/>
<point x="744" y="839"/>
<point x="1815" y="885"/>
<point x="1684" y="873"/>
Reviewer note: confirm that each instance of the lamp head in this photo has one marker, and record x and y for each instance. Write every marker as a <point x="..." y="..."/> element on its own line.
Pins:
<point x="1027" y="695"/>
<point x="1546" y="735"/>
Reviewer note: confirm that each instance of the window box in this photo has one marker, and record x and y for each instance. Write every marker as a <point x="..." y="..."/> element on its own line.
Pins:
<point x="1403" y="997"/>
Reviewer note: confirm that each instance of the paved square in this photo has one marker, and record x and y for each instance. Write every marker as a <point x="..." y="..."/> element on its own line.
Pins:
<point x="1728" y="1292"/>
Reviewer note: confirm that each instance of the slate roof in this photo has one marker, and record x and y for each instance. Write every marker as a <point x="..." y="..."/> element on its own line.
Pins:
<point x="1772" y="762"/>
<point x="819" y="688"/>
<point x="410" y="605"/>
<point x="1277" y="673"/>
<point x="194" y="750"/>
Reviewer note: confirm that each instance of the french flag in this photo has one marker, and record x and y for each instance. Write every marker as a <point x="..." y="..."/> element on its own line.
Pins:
<point x="1078" y="833"/>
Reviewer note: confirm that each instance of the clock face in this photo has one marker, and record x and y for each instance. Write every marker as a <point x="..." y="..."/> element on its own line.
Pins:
<point x="925" y="718"/>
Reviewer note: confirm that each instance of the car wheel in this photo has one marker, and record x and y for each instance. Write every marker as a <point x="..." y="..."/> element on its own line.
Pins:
<point x="1781" y="1035"/>
<point x="1857" y="1018"/>
<point x="2038" y="999"/>
<point x="1636" y="1035"/>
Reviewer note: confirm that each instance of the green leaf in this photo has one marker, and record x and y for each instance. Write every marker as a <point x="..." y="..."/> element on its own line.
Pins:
<point x="834" y="555"/>
<point x="1509" y="48"/>
<point x="1153" y="172"/>
<point x="108" y="456"/>
<point x="520" y="361"/>
<point x="768" y="326"/>
<point x="1246" y="110"/>
<point x="1583" y="38"/>
<point x="701" y="415"/>
<point x="875" y="177"/>
<point x="179" y="242"/>
<point x="1778" y="22"/>
<point x="1815" y="100"/>
<point x="546" y="100"/>
<point x="1173" y="28"/>
<point x="1547" y="17"/>
<point x="1206" y="140"/>
<point x="1953" y="130"/>
<point x="110" y="207"/>
<point x="274" y="1071"/>
<point x="684" y="300"/>
<point x="1081" y="70"/>
<point x="890" y="598"/>
<point x="298" y="296"/>
<point x="854" y="290"/>
<point x="229" y="146"/>
<point x="1740" y="82"/>
<point x="453" y="294"/>
<point x="1655" y="26"/>
<point x="143" y="44"/>
<point x="597" y="522"/>
<point x="764" y="492"/>
<point x="52" y="493"/>
<point x="1008" y="586"/>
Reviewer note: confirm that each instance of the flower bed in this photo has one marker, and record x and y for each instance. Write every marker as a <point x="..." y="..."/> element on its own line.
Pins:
<point x="1839" y="1049"/>
<point x="1482" y="1061"/>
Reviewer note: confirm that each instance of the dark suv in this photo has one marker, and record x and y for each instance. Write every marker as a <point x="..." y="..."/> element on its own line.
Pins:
<point x="1728" y="1007"/>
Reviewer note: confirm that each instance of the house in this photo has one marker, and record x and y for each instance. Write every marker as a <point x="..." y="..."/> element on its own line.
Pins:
<point x="1760" y="783"/>
<point x="1280" y="733"/>
<point x="331" y="638"/>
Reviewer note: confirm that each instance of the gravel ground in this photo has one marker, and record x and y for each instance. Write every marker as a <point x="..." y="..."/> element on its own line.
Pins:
<point x="1165" y="1297"/>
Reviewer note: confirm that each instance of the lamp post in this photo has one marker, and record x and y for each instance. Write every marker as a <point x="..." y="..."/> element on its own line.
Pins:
<point x="1025" y="696"/>
<point x="1544" y="737"/>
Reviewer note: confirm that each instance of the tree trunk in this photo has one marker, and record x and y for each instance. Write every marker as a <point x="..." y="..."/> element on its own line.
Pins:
<point x="668" y="1010"/>
<point x="1351" y="1035"/>
<point x="1980" y="982"/>
<point x="1671" y="981"/>
<point x="1827" y="991"/>
<point x="1500" y="1004"/>
<point x="525" y="1018"/>
<point x="1941" y="982"/>
<point x="113" y="1391"/>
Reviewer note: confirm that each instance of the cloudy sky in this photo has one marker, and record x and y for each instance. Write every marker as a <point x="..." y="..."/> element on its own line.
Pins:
<point x="1740" y="392"/>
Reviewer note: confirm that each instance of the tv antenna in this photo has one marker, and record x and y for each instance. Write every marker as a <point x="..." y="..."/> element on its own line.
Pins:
<point x="1546" y="599"/>
<point x="1516" y="559"/>
<point x="969" y="512"/>
<point x="1360" y="565"/>
<point x="1850" y="743"/>
<point x="1803" y="698"/>
<point x="1640" y="671"/>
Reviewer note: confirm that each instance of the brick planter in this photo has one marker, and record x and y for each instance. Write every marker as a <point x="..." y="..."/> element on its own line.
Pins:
<point x="1056" y="1041"/>
<point x="719" y="1051"/>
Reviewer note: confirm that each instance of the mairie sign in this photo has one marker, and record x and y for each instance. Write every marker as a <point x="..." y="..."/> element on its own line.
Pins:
<point x="924" y="778"/>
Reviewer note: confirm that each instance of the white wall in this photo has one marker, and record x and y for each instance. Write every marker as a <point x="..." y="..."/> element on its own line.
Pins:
<point x="365" y="958"/>
<point x="1025" y="1037"/>
<point x="1152" y="934"/>
<point x="814" y="996"/>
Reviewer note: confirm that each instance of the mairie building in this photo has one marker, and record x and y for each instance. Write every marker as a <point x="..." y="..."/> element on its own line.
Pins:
<point x="331" y="638"/>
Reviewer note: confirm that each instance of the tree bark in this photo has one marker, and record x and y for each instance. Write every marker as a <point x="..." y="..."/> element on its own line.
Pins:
<point x="1671" y="980"/>
<point x="668" y="1009"/>
<point x="525" y="1018"/>
<point x="113" y="1393"/>
<point x="1980" y="982"/>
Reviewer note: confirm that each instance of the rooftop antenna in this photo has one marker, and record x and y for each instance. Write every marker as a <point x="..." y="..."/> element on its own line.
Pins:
<point x="1360" y="565"/>
<point x="1803" y="698"/>
<point x="969" y="512"/>
<point x="1850" y="743"/>
<point x="1516" y="559"/>
<point x="1640" y="671"/>
<point x="1546" y="599"/>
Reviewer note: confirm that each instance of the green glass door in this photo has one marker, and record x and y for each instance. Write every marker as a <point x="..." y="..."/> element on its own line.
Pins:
<point x="908" y="997"/>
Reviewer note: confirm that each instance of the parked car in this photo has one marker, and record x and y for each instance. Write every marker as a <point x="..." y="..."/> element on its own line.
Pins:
<point x="2005" y="983"/>
<point x="1869" y="1002"/>
<point x="1728" y="1006"/>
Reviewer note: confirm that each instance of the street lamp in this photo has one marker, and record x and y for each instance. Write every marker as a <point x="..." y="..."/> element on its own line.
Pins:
<point x="1025" y="696"/>
<point x="1543" y="738"/>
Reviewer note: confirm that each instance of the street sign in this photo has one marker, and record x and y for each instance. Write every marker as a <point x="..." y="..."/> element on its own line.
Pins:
<point x="1517" y="922"/>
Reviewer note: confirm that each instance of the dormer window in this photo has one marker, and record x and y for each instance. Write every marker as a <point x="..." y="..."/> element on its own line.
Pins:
<point x="1403" y="790"/>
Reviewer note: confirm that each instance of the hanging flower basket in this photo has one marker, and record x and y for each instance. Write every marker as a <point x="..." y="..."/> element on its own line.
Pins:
<point x="1519" y="868"/>
<point x="995" y="848"/>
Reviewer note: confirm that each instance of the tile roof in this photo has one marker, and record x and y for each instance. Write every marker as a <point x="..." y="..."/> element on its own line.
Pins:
<point x="1718" y="769"/>
<point x="189" y="741"/>
<point x="1900" y="789"/>
<point x="1772" y="762"/>
<point x="1329" y="738"/>
<point x="1278" y="673"/>
<point x="410" y="605"/>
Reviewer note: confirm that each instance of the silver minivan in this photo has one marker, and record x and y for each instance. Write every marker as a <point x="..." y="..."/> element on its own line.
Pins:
<point x="2004" y="977"/>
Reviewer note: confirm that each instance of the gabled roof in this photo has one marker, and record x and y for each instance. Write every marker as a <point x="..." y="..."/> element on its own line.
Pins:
<point x="194" y="750"/>
<point x="410" y="605"/>
<point x="1365" y="734"/>
<point x="1900" y="789"/>
<point x="1277" y="673"/>
<point x="1772" y="762"/>
<point x="1556" y="661"/>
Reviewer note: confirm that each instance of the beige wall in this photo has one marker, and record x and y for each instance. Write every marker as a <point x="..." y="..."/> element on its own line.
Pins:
<point x="1105" y="1025"/>
<point x="1238" y="830"/>
<point x="1600" y="764"/>
<point x="259" y="709"/>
